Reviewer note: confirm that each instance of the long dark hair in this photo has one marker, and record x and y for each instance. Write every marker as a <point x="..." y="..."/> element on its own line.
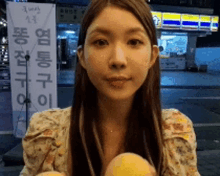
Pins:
<point x="146" y="113"/>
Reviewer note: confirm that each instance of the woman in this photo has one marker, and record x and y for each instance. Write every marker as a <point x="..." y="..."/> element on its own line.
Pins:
<point x="117" y="92"/>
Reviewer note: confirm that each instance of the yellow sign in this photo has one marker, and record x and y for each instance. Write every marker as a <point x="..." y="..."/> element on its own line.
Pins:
<point x="171" y="20"/>
<point x="168" y="20"/>
<point x="157" y="17"/>
<point x="215" y="19"/>
<point x="171" y="16"/>
<point x="205" y="18"/>
<point x="205" y="23"/>
<point x="188" y="17"/>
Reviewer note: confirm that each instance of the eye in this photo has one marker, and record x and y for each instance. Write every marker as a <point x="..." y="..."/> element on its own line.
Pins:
<point x="136" y="40"/>
<point x="99" y="41"/>
<point x="133" y="42"/>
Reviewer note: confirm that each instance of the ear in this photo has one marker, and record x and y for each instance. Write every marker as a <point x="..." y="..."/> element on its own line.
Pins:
<point x="80" y="54"/>
<point x="155" y="53"/>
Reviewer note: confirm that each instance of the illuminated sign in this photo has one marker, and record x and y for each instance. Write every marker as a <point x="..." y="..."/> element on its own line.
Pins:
<point x="178" y="21"/>
<point x="171" y="20"/>
<point x="214" y="25"/>
<point x="157" y="17"/>
<point x="190" y="21"/>
<point x="205" y="22"/>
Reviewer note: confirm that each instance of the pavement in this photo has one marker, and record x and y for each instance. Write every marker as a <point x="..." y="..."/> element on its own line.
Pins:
<point x="208" y="162"/>
<point x="208" y="151"/>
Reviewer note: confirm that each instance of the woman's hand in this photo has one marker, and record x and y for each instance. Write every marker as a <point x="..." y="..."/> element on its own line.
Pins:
<point x="52" y="173"/>
<point x="130" y="164"/>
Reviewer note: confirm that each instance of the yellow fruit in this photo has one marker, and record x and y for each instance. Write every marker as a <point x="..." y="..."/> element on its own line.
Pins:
<point x="129" y="164"/>
<point x="52" y="173"/>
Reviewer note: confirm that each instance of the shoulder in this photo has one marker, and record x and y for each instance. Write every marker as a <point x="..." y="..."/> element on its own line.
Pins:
<point x="49" y="119"/>
<point x="43" y="140"/>
<point x="180" y="144"/>
<point x="175" y="122"/>
<point x="174" y="114"/>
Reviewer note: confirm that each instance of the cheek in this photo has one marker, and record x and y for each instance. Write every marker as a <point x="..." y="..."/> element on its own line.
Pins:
<point x="92" y="68"/>
<point x="95" y="69"/>
<point x="140" y="75"/>
<point x="96" y="61"/>
<point x="140" y="69"/>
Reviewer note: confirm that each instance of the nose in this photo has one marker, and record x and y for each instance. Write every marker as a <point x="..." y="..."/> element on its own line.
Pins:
<point x="118" y="58"/>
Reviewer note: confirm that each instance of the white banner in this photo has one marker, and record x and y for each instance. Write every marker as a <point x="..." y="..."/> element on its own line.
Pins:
<point x="32" y="31"/>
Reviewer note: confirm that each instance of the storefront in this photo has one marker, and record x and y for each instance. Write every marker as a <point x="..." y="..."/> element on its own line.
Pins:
<point x="177" y="35"/>
<point x="173" y="50"/>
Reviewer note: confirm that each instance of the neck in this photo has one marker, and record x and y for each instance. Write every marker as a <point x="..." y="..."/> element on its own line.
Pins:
<point x="113" y="114"/>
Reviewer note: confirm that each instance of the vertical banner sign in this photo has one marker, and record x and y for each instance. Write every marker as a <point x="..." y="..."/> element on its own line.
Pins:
<point x="32" y="31"/>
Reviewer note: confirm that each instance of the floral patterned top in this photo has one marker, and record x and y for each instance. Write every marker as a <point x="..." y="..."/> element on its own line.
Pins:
<point x="46" y="143"/>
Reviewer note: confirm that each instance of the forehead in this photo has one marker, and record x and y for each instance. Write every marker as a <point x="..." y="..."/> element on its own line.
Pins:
<point x="116" y="19"/>
<point x="106" y="31"/>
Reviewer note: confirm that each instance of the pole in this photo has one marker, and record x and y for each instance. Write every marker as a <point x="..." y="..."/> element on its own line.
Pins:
<point x="27" y="100"/>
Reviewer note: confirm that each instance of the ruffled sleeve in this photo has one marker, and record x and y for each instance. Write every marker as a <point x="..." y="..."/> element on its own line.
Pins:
<point x="180" y="145"/>
<point x="39" y="146"/>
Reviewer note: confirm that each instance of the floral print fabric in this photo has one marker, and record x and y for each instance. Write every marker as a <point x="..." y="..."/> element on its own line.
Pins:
<point x="46" y="144"/>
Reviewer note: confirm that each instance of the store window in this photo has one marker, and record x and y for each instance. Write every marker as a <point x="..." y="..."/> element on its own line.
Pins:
<point x="174" y="44"/>
<point x="67" y="40"/>
<point x="173" y="48"/>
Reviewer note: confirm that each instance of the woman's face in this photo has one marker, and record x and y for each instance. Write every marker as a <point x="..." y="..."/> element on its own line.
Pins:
<point x="116" y="53"/>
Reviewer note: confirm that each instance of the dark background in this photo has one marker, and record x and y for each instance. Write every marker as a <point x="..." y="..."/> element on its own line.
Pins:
<point x="208" y="41"/>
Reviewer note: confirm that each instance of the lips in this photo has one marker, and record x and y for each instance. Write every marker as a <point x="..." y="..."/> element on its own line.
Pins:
<point x="118" y="83"/>
<point x="118" y="78"/>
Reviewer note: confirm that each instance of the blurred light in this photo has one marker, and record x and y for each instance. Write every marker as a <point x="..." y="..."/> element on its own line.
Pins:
<point x="1" y="22"/>
<point x="61" y="37"/>
<point x="4" y="40"/>
<point x="167" y="37"/>
<point x="5" y="24"/>
<point x="20" y="0"/>
<point x="70" y="32"/>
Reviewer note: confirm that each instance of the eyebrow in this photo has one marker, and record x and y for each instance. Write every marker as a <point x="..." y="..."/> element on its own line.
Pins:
<point x="107" y="32"/>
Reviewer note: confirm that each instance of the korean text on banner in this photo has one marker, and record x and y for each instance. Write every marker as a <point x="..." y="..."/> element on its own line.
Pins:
<point x="32" y="31"/>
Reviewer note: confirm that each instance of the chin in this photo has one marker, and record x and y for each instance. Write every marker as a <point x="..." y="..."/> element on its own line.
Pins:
<point x="119" y="96"/>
